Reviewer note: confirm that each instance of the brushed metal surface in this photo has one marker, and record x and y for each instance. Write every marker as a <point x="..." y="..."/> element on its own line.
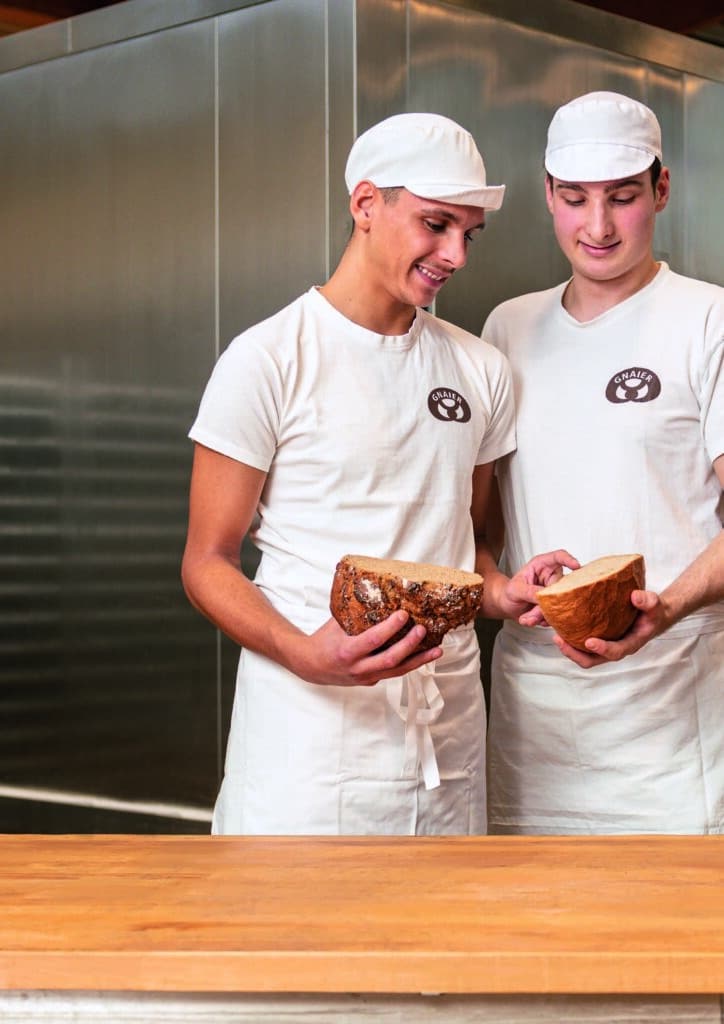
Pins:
<point x="273" y="212"/>
<point x="701" y="178"/>
<point x="123" y="21"/>
<point x="565" y="19"/>
<point x="382" y="61"/>
<point x="664" y="92"/>
<point x="32" y="46"/>
<point x="113" y="24"/>
<point x="577" y="22"/>
<point x="342" y="121"/>
<point x="174" y="176"/>
<point x="272" y="158"/>
<point x="107" y="675"/>
<point x="58" y="1007"/>
<point x="503" y="82"/>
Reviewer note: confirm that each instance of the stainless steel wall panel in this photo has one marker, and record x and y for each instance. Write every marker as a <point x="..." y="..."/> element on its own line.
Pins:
<point x="273" y="222"/>
<point x="701" y="178"/>
<point x="42" y="43"/>
<point x="108" y="195"/>
<point x="503" y="82"/>
<point x="175" y="175"/>
<point x="664" y="92"/>
<point x="272" y="158"/>
<point x="577" y="22"/>
<point x="114" y="24"/>
<point x="106" y="674"/>
<point x="382" y="60"/>
<point x="565" y="19"/>
<point x="341" y="121"/>
<point x="123" y="21"/>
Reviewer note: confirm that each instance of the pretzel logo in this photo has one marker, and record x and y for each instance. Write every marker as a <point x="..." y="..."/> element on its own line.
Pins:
<point x="448" y="405"/>
<point x="636" y="384"/>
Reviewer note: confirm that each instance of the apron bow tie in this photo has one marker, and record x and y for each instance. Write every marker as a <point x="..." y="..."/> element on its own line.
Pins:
<point x="423" y="707"/>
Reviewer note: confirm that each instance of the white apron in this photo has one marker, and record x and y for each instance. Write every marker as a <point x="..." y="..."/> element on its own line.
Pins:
<point x="634" y="746"/>
<point x="309" y="759"/>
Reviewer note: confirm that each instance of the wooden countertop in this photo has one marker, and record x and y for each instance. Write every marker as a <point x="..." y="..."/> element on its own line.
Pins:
<point x="322" y="914"/>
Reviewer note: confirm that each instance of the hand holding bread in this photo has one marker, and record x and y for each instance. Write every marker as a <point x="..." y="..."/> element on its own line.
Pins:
<point x="367" y="590"/>
<point x="595" y="600"/>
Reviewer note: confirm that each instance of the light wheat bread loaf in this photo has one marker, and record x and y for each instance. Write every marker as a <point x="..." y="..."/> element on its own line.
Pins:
<point x="594" y="600"/>
<point x="367" y="590"/>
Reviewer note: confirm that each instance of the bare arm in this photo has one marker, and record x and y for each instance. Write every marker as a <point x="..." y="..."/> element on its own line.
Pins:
<point x="223" y="500"/>
<point x="224" y="496"/>
<point x="507" y="597"/>
<point x="700" y="584"/>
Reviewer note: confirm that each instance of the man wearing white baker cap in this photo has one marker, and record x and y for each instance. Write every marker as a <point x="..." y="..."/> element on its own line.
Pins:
<point x="318" y="435"/>
<point x="620" y="419"/>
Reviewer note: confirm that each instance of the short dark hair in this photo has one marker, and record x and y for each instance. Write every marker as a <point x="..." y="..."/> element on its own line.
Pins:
<point x="654" y="171"/>
<point x="390" y="195"/>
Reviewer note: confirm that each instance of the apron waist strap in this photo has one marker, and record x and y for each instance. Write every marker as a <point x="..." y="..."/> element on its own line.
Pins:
<point x="416" y="699"/>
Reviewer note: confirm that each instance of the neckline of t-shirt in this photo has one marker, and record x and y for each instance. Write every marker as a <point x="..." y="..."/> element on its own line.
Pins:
<point x="388" y="342"/>
<point x="620" y="308"/>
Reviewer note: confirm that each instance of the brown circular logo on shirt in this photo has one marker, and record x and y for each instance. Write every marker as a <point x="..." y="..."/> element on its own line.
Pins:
<point x="636" y="384"/>
<point x="448" y="405"/>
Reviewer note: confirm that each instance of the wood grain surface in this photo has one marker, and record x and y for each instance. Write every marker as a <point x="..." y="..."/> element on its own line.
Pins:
<point x="323" y="914"/>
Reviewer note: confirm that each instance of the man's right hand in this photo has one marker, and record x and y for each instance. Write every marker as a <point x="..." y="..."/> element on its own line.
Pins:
<point x="331" y="658"/>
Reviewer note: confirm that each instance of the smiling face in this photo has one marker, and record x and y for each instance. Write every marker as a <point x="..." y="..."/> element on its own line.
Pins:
<point x="606" y="228"/>
<point x="415" y="245"/>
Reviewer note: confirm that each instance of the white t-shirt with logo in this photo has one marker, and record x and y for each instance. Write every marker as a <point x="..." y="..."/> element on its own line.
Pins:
<point x="618" y="422"/>
<point x="369" y="443"/>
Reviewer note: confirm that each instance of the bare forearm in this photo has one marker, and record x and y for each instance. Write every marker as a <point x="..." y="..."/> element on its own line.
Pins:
<point x="699" y="585"/>
<point x="495" y="582"/>
<point x="515" y="597"/>
<point x="224" y="497"/>
<point x="221" y="592"/>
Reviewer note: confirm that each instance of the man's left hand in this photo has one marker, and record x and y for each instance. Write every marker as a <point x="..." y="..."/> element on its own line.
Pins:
<point x="519" y="593"/>
<point x="650" y="622"/>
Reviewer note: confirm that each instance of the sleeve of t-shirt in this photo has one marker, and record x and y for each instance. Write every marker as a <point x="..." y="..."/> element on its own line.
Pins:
<point x="499" y="438"/>
<point x="239" y="413"/>
<point x="712" y="390"/>
<point x="492" y="333"/>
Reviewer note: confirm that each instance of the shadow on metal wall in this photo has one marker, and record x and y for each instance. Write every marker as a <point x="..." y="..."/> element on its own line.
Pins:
<point x="107" y="675"/>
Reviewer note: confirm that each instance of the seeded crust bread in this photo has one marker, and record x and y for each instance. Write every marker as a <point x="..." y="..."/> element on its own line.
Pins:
<point x="367" y="590"/>
<point x="594" y="600"/>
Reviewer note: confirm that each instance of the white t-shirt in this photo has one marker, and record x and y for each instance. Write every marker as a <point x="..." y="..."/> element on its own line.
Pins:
<point x="369" y="443"/>
<point x="618" y="423"/>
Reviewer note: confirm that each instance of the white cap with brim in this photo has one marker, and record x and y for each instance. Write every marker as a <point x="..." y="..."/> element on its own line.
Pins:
<point x="429" y="155"/>
<point x="602" y="136"/>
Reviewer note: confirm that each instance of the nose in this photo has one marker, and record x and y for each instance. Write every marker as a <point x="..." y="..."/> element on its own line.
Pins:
<point x="455" y="249"/>
<point x="599" y="224"/>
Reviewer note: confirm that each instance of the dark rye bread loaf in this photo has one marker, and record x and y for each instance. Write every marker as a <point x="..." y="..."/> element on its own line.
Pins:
<point x="366" y="591"/>
<point x="594" y="600"/>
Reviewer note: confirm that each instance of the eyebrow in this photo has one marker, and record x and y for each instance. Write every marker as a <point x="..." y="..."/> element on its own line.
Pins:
<point x="452" y="218"/>
<point x="613" y="187"/>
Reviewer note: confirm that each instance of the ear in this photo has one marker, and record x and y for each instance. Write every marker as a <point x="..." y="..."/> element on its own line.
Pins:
<point x="361" y="204"/>
<point x="663" y="190"/>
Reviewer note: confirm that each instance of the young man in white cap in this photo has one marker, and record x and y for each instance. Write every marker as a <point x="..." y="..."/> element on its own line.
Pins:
<point x="318" y="434"/>
<point x="620" y="427"/>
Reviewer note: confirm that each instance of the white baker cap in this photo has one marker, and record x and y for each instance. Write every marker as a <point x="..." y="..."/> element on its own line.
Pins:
<point x="429" y="155"/>
<point x="602" y="136"/>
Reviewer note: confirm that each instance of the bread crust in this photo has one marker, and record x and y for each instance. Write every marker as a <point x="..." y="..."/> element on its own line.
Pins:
<point x="598" y="607"/>
<point x="362" y="597"/>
